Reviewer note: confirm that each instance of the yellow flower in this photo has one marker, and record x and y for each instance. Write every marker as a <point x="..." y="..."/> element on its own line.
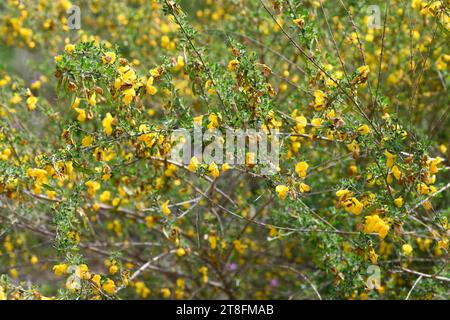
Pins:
<point x="301" y="168"/>
<point x="69" y="48"/>
<point x="433" y="164"/>
<point x="353" y="147"/>
<point x="273" y="232"/>
<point x="250" y="160"/>
<point x="300" y="123"/>
<point x="343" y="194"/>
<point x="148" y="138"/>
<point x="427" y="205"/>
<point x="233" y="64"/>
<point x="316" y="122"/>
<point x="193" y="164"/>
<point x="14" y="273"/>
<point x="213" y="121"/>
<point x="107" y="122"/>
<point x="212" y="242"/>
<point x="31" y="102"/>
<point x="443" y="244"/>
<point x="319" y="101"/>
<point x="4" y="82"/>
<point x="155" y="72"/>
<point x="115" y="202"/>
<point x="128" y="96"/>
<point x="73" y="236"/>
<point x="87" y="141"/>
<point x="180" y="252"/>
<point x="96" y="279"/>
<point x="282" y="191"/>
<point x="407" y="249"/>
<point x="93" y="186"/>
<point x="151" y="90"/>
<point x="396" y="172"/>
<point x="109" y="286"/>
<point x="204" y="271"/>
<point x="373" y="256"/>
<point x="93" y="99"/>
<point x="353" y="205"/>
<point x="179" y="65"/>
<point x="60" y="269"/>
<point x="2" y="294"/>
<point x="374" y="224"/>
<point x="76" y="103"/>
<point x="214" y="170"/>
<point x="36" y="85"/>
<point x="225" y="167"/>
<point x="72" y="284"/>
<point x="105" y="196"/>
<point x="364" y="129"/>
<point x="15" y="99"/>
<point x="149" y="222"/>
<point x="304" y="188"/>
<point x="34" y="259"/>
<point x="109" y="58"/>
<point x="113" y="269"/>
<point x="210" y="87"/>
<point x="38" y="174"/>
<point x="364" y="71"/>
<point x="81" y="114"/>
<point x="299" y="21"/>
<point x="389" y="159"/>
<point x="398" y="202"/>
<point x="165" y="41"/>
<point x="198" y="120"/>
<point x="422" y="188"/>
<point x="50" y="194"/>
<point x="142" y="290"/>
<point x="83" y="272"/>
<point x="6" y="153"/>
<point x="165" y="208"/>
<point x="165" y="292"/>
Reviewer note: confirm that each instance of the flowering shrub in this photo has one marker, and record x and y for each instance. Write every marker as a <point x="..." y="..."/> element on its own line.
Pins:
<point x="93" y="205"/>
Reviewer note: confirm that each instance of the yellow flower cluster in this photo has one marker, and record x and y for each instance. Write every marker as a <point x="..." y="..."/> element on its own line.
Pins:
<point x="374" y="224"/>
<point x="351" y="204"/>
